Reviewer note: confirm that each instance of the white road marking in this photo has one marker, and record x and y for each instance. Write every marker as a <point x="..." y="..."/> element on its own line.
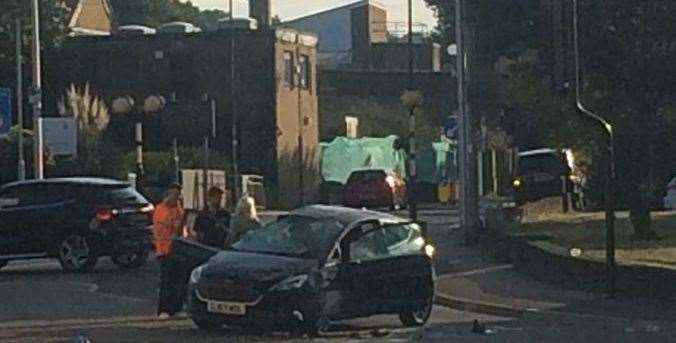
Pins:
<point x="479" y="271"/>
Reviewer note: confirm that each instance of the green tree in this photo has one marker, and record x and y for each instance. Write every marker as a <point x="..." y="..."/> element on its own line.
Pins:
<point x="53" y="24"/>
<point x="628" y="49"/>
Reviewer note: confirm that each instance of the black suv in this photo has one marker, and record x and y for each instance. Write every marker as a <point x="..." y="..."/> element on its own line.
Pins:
<point x="76" y="220"/>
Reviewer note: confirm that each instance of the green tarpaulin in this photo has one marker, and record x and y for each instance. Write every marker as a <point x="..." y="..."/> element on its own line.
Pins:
<point x="344" y="155"/>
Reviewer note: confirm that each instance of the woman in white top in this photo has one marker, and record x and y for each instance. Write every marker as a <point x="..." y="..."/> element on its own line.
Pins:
<point x="244" y="219"/>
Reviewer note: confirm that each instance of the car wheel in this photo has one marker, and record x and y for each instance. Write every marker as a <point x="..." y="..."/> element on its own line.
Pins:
<point x="207" y="325"/>
<point x="418" y="317"/>
<point x="77" y="254"/>
<point x="2" y="264"/>
<point x="313" y="328"/>
<point x="132" y="259"/>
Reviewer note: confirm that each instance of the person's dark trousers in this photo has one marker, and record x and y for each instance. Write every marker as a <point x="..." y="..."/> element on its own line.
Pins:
<point x="172" y="286"/>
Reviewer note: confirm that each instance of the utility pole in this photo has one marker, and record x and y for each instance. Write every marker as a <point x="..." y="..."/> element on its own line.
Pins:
<point x="611" y="278"/>
<point x="413" y="173"/>
<point x="21" y="167"/>
<point x="301" y="148"/>
<point x="36" y="97"/>
<point x="235" y="167"/>
<point x="465" y="160"/>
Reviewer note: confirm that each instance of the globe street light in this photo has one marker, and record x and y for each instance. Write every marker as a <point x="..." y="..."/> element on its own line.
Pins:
<point x="126" y="105"/>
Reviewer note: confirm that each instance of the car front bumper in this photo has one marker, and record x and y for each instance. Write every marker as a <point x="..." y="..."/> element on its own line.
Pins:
<point x="272" y="310"/>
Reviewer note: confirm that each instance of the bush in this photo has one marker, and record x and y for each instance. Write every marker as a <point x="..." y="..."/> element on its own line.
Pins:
<point x="159" y="165"/>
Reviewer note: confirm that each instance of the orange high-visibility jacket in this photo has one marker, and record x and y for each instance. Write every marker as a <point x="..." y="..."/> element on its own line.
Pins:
<point x="167" y="224"/>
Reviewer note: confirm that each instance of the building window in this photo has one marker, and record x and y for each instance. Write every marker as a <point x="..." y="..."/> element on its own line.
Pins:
<point x="288" y="68"/>
<point x="305" y="71"/>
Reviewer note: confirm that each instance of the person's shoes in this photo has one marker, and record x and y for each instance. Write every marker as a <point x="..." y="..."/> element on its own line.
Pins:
<point x="163" y="316"/>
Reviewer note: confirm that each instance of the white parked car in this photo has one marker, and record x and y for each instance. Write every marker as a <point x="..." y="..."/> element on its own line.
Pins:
<point x="670" y="199"/>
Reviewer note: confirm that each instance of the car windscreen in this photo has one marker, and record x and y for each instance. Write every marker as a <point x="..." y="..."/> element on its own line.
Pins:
<point x="292" y="236"/>
<point x="544" y="163"/>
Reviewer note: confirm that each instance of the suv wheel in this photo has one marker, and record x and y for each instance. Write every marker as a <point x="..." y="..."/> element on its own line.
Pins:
<point x="131" y="259"/>
<point x="77" y="253"/>
<point x="418" y="317"/>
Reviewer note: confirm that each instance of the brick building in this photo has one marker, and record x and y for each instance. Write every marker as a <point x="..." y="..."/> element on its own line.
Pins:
<point x="275" y="94"/>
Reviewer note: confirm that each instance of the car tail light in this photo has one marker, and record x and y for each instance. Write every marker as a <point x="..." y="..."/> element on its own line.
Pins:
<point x="390" y="181"/>
<point x="105" y="214"/>
<point x="147" y="208"/>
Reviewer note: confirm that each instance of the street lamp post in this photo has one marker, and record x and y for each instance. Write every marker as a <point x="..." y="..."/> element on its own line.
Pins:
<point x="412" y="104"/>
<point x="235" y="166"/>
<point x="610" y="179"/>
<point x="21" y="167"/>
<point x="36" y="97"/>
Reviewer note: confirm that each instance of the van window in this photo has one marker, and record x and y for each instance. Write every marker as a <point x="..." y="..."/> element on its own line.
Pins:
<point x="543" y="163"/>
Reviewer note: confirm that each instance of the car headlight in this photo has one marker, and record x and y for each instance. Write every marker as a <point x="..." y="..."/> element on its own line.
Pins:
<point x="294" y="282"/>
<point x="196" y="274"/>
<point x="429" y="250"/>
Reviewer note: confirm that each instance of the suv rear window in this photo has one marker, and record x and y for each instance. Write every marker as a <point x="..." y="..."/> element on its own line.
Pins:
<point x="367" y="175"/>
<point x="117" y="196"/>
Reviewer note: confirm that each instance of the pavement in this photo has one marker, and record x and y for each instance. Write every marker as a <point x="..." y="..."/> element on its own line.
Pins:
<point x="470" y="280"/>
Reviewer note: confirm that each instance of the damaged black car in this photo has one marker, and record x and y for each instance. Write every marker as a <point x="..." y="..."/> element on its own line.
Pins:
<point x="316" y="265"/>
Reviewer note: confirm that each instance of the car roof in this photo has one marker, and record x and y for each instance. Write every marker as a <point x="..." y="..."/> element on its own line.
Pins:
<point x="344" y="215"/>
<point x="79" y="181"/>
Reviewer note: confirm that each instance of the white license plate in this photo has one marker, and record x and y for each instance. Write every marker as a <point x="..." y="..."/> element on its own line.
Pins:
<point x="226" y="308"/>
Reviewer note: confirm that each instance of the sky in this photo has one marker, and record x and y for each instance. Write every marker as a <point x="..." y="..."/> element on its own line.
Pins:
<point x="288" y="9"/>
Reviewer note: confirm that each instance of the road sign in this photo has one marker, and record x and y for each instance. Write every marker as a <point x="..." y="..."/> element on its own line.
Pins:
<point x="5" y="111"/>
<point x="60" y="135"/>
<point x="451" y="127"/>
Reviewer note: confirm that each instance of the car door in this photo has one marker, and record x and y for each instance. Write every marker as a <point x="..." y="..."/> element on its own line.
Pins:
<point x="50" y="216"/>
<point x="10" y="227"/>
<point x="388" y="268"/>
<point x="369" y="268"/>
<point x="411" y="273"/>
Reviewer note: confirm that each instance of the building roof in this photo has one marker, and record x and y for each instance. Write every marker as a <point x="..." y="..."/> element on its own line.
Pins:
<point x="90" y="17"/>
<point x="352" y="5"/>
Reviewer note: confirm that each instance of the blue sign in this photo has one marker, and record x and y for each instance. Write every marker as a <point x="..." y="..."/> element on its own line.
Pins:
<point x="451" y="128"/>
<point x="5" y="110"/>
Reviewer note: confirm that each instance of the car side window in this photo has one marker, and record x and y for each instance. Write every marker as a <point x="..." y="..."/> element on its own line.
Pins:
<point x="386" y="242"/>
<point x="403" y="239"/>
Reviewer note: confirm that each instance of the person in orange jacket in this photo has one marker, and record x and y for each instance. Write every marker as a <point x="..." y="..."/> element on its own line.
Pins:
<point x="168" y="223"/>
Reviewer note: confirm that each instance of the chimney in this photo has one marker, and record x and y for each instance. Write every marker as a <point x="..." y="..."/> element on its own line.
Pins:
<point x="260" y="10"/>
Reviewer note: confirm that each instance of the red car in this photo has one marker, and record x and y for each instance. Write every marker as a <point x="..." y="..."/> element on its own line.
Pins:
<point x="375" y="188"/>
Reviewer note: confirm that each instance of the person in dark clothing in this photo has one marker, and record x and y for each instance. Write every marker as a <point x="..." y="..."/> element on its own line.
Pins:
<point x="168" y="224"/>
<point x="211" y="224"/>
